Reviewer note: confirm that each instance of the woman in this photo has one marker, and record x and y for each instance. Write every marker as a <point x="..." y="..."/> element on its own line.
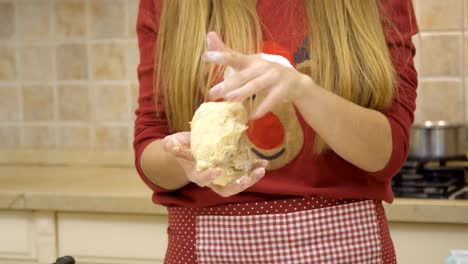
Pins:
<point x="332" y="131"/>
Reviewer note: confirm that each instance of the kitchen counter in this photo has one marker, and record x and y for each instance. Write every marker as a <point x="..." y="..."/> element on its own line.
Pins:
<point x="119" y="190"/>
<point x="78" y="189"/>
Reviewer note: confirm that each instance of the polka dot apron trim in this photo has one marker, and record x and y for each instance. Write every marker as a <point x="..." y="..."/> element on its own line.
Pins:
<point x="303" y="230"/>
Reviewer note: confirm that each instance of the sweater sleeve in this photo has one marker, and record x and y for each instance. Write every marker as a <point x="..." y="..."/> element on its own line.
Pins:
<point x="149" y="125"/>
<point x="401" y="113"/>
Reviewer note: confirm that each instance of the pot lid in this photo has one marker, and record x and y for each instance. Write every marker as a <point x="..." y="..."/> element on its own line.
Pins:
<point x="438" y="124"/>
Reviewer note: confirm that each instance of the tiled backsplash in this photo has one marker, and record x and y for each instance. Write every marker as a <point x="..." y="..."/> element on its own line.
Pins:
<point x="442" y="59"/>
<point x="68" y="74"/>
<point x="68" y="70"/>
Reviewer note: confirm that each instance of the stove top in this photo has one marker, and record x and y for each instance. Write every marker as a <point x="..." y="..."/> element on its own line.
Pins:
<point x="431" y="180"/>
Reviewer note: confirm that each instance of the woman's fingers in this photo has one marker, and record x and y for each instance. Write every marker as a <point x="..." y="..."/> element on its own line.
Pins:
<point x="273" y="97"/>
<point x="228" y="190"/>
<point x="260" y="164"/>
<point x="214" y="42"/>
<point x="235" y="81"/>
<point x="229" y="58"/>
<point x="179" y="145"/>
<point x="206" y="177"/>
<point x="243" y="183"/>
<point x="183" y="138"/>
<point x="201" y="179"/>
<point x="254" y="86"/>
<point x="218" y="53"/>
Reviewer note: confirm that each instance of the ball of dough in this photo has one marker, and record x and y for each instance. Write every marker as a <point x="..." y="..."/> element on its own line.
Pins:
<point x="218" y="140"/>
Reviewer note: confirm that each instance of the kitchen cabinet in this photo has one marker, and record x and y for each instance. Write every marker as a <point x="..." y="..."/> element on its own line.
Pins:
<point x="40" y="237"/>
<point x="112" y="238"/>
<point x="27" y="237"/>
<point x="427" y="243"/>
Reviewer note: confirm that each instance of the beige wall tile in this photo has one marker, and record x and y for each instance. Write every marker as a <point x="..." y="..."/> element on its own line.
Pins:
<point x="132" y="17"/>
<point x="36" y="63"/>
<point x="74" y="137"/>
<point x="7" y="63"/>
<point x="133" y="59"/>
<point x="72" y="62"/>
<point x="417" y="58"/>
<point x="416" y="8"/>
<point x="34" y="22"/>
<point x="440" y="15"/>
<point x="40" y="137"/>
<point x="112" y="138"/>
<point x="466" y="14"/>
<point x="111" y="103"/>
<point x="107" y="18"/>
<point x="466" y="54"/>
<point x="9" y="137"/>
<point x="70" y="18"/>
<point x="9" y="109"/>
<point x="440" y="100"/>
<point x="134" y="103"/>
<point x="7" y="20"/>
<point x="108" y="61"/>
<point x="73" y="103"/>
<point x="38" y="102"/>
<point x="440" y="55"/>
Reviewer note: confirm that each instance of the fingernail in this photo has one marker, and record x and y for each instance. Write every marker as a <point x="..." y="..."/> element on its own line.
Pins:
<point x="228" y="72"/>
<point x="232" y="95"/>
<point x="216" y="90"/>
<point x="214" y="56"/>
<point x="174" y="142"/>
<point x="259" y="172"/>
<point x="264" y="163"/>
<point x="255" y="115"/>
<point x="167" y="141"/>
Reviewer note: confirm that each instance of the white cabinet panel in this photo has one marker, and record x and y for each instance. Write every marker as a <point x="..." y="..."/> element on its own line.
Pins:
<point x="112" y="238"/>
<point x="46" y="239"/>
<point x="27" y="237"/>
<point x="427" y="243"/>
<point x="17" y="235"/>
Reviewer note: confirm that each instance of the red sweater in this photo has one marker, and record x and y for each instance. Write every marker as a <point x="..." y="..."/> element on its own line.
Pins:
<point x="296" y="171"/>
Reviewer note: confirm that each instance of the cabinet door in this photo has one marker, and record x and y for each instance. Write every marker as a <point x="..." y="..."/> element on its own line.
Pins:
<point x="27" y="237"/>
<point x="112" y="238"/>
<point x="427" y="243"/>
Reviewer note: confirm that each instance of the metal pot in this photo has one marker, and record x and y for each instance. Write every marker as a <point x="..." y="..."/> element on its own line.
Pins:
<point x="437" y="140"/>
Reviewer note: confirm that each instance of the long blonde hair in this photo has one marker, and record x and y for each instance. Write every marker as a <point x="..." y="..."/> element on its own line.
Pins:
<point x="350" y="56"/>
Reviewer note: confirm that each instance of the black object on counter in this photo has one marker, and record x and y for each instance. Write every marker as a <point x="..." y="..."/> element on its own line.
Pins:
<point x="65" y="260"/>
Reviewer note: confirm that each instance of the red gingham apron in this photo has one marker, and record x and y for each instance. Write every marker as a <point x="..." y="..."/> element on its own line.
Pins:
<point x="303" y="230"/>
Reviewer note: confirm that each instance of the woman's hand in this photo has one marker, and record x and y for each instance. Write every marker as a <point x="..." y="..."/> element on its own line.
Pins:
<point x="254" y="75"/>
<point x="179" y="145"/>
